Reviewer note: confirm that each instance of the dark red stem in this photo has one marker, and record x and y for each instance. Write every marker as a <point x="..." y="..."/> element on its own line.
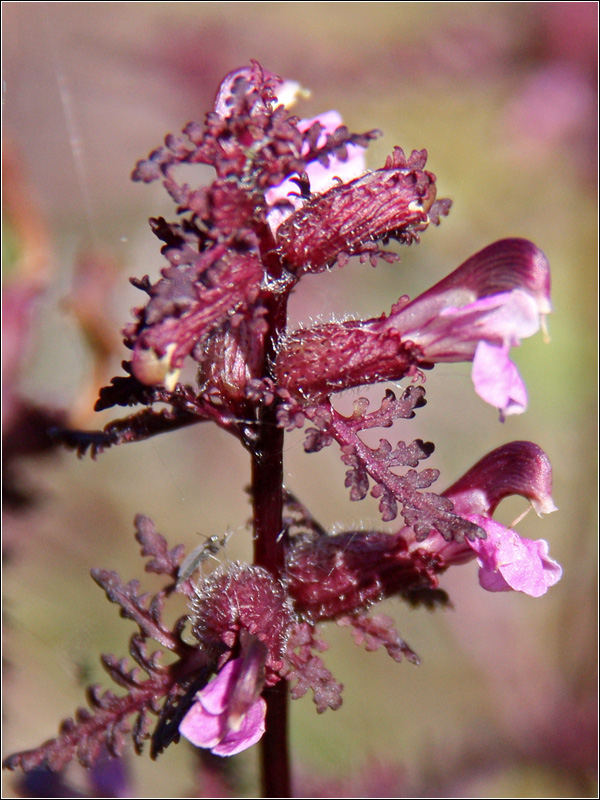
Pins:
<point x="267" y="494"/>
<point x="267" y="499"/>
<point x="274" y="762"/>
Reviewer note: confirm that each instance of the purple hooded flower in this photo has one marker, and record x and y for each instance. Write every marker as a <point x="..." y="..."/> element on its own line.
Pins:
<point x="477" y="313"/>
<point x="506" y="560"/>
<point x="485" y="307"/>
<point x="217" y="722"/>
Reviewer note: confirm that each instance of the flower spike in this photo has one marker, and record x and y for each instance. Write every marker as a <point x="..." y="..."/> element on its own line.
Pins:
<point x="291" y="197"/>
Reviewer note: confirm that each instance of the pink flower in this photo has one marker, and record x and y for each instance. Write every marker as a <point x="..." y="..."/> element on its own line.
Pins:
<point x="486" y="306"/>
<point x="218" y="721"/>
<point x="506" y="560"/>
<point x="497" y="379"/>
<point x="477" y="313"/>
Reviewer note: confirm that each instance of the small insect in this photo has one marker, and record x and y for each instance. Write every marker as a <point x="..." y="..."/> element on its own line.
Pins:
<point x="199" y="554"/>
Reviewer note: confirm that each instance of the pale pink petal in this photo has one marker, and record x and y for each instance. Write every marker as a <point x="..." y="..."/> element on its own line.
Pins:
<point x="449" y="326"/>
<point x="323" y="177"/>
<point x="509" y="316"/>
<point x="251" y="730"/>
<point x="508" y="561"/>
<point x="201" y="728"/>
<point x="497" y="380"/>
<point x="215" y="695"/>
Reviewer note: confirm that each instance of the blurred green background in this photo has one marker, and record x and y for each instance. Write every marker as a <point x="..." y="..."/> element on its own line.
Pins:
<point x="503" y="97"/>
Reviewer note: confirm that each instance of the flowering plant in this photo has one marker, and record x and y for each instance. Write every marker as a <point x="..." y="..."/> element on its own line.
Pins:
<point x="292" y="197"/>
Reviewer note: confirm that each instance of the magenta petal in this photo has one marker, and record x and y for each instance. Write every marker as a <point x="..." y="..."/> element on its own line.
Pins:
<point x="532" y="571"/>
<point x="492" y="581"/>
<point x="208" y="722"/>
<point x="201" y="728"/>
<point x="251" y="730"/>
<point x="508" y="561"/>
<point x="215" y="696"/>
<point x="497" y="380"/>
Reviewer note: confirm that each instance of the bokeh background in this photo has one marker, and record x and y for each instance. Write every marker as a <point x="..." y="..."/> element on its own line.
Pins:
<point x="503" y="97"/>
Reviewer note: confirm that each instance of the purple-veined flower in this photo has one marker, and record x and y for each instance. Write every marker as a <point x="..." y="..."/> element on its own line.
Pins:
<point x="477" y="313"/>
<point x="332" y="575"/>
<point x="218" y="721"/>
<point x="496" y="298"/>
